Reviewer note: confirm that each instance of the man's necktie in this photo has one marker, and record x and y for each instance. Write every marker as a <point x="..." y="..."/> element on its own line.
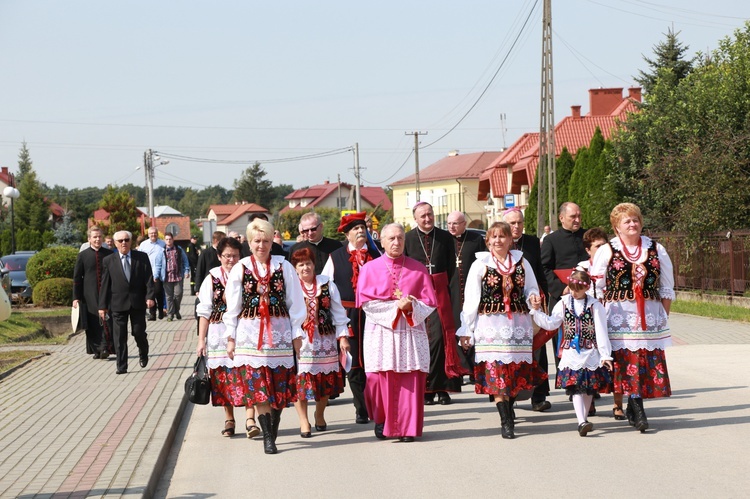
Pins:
<point x="126" y="266"/>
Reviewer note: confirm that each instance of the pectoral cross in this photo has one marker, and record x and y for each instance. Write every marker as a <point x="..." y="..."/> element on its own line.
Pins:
<point x="458" y="261"/>
<point x="398" y="293"/>
<point x="429" y="267"/>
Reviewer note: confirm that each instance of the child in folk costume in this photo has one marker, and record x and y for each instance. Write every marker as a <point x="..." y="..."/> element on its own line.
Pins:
<point x="586" y="352"/>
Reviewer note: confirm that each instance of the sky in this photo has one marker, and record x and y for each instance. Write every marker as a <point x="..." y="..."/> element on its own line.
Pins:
<point x="91" y="85"/>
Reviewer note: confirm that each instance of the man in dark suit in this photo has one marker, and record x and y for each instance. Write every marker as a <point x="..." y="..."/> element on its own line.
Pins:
<point x="127" y="292"/>
<point x="87" y="279"/>
<point x="208" y="259"/>
<point x="530" y="247"/>
<point x="193" y="251"/>
<point x="311" y="229"/>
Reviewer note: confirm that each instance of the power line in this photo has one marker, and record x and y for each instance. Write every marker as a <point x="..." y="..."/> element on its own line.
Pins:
<point x="394" y="173"/>
<point x="576" y="53"/>
<point x="180" y="157"/>
<point x="487" y="87"/>
<point x="712" y="24"/>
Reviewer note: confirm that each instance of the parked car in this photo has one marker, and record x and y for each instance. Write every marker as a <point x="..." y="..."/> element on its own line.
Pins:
<point x="15" y="266"/>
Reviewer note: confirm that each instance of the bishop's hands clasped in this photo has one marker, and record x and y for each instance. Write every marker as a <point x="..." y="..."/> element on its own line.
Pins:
<point x="405" y="303"/>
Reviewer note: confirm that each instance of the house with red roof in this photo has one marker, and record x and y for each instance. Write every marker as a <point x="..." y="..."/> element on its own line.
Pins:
<point x="166" y="219"/>
<point x="229" y="217"/>
<point x="514" y="171"/>
<point x="336" y="195"/>
<point x="450" y="184"/>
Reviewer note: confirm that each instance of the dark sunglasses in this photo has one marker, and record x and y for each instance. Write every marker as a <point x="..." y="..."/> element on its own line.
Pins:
<point x="126" y="240"/>
<point x="313" y="229"/>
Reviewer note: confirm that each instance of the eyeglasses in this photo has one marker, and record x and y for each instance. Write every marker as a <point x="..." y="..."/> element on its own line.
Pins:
<point x="451" y="224"/>
<point x="230" y="257"/>
<point x="126" y="240"/>
<point x="312" y="229"/>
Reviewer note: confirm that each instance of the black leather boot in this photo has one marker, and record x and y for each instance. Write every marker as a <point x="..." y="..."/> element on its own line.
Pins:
<point x="629" y="412"/>
<point x="269" y="444"/>
<point x="639" y="415"/>
<point x="275" y="421"/>
<point x="506" y="421"/>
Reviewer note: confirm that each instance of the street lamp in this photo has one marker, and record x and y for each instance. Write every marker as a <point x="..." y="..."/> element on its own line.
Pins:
<point x="12" y="193"/>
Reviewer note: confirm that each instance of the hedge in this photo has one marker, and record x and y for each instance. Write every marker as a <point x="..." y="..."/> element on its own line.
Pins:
<point x="52" y="262"/>
<point x="54" y="292"/>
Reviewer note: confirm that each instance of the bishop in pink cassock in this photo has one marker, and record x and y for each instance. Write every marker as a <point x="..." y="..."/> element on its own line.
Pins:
<point x="397" y="295"/>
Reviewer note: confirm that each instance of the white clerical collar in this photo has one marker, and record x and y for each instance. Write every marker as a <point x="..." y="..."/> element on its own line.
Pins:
<point x="423" y="232"/>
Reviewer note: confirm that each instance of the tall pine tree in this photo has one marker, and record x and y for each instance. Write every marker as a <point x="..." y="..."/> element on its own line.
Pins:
<point x="31" y="208"/>
<point x="669" y="62"/>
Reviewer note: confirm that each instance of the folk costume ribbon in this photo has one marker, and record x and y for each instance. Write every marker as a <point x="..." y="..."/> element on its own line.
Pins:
<point x="358" y="258"/>
<point x="263" y="308"/>
<point x="312" y="309"/>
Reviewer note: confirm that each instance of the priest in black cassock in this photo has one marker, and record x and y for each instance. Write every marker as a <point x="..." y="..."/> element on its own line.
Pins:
<point x="562" y="249"/>
<point x="466" y="245"/>
<point x="434" y="248"/>
<point x="87" y="280"/>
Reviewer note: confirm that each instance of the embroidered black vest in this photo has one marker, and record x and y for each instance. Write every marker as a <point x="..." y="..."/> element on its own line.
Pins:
<point x="325" y="316"/>
<point x="219" y="306"/>
<point x="251" y="297"/>
<point x="491" y="301"/>
<point x="620" y="280"/>
<point x="587" y="338"/>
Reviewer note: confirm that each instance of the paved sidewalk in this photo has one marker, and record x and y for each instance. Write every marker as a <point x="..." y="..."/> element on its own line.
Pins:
<point x="70" y="427"/>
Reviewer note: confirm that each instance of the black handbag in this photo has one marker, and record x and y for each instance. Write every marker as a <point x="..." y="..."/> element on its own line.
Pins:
<point x="198" y="385"/>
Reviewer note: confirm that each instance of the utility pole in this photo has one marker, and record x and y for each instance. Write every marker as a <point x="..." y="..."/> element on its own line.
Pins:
<point x="338" y="193"/>
<point x="547" y="187"/>
<point x="357" y="195"/>
<point x="148" y="166"/>
<point x="416" y="159"/>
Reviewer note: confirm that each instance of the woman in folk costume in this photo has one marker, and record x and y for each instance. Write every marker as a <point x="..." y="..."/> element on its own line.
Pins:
<point x="586" y="353"/>
<point x="397" y="296"/>
<point x="265" y="311"/>
<point x="228" y="381"/>
<point x="319" y="374"/>
<point x="495" y="319"/>
<point x="637" y="284"/>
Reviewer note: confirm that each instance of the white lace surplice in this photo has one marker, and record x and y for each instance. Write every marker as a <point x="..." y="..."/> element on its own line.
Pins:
<point x="622" y="316"/>
<point x="401" y="349"/>
<point x="322" y="356"/>
<point x="496" y="337"/>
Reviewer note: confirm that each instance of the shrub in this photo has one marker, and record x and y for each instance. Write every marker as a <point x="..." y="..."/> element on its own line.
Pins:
<point x="55" y="261"/>
<point x="57" y="291"/>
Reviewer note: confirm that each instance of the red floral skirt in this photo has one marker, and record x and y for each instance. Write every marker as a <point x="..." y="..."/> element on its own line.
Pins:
<point x="229" y="386"/>
<point x="585" y="381"/>
<point x="642" y="373"/>
<point x="496" y="378"/>
<point x="276" y="386"/>
<point x="316" y="386"/>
